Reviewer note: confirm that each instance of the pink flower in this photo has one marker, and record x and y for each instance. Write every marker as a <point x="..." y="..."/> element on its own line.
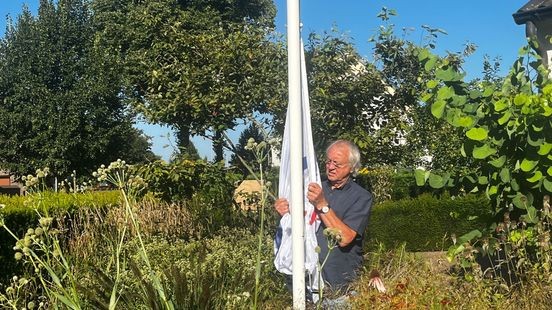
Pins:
<point x="376" y="282"/>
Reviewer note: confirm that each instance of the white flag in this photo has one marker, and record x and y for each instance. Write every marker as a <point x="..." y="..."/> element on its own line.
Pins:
<point x="311" y="173"/>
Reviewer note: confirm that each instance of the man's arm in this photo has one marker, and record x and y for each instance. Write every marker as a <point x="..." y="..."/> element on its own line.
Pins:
<point x="316" y="197"/>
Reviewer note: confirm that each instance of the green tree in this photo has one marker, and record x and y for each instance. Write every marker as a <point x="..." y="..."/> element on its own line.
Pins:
<point x="507" y="130"/>
<point x="60" y="103"/>
<point x="251" y="132"/>
<point x="196" y="66"/>
<point x="342" y="87"/>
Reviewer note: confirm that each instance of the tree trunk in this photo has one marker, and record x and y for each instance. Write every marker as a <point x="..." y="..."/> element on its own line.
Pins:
<point x="183" y="138"/>
<point x="218" y="146"/>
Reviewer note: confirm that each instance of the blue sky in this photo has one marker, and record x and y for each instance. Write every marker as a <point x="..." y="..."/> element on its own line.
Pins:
<point x="487" y="24"/>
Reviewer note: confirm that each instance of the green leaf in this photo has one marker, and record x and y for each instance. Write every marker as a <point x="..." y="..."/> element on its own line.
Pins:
<point x="445" y="92"/>
<point x="469" y="236"/>
<point x="421" y="176"/>
<point x="483" y="180"/>
<point x="531" y="216"/>
<point x="520" y="201"/>
<point x="477" y="134"/>
<point x="505" y="118"/>
<point x="430" y="64"/>
<point x="505" y="175"/>
<point x="448" y="75"/>
<point x="436" y="181"/>
<point x="464" y="121"/>
<point x="488" y="91"/>
<point x="514" y="184"/>
<point x="432" y="84"/>
<point x="423" y="54"/>
<point x="545" y="148"/>
<point x="547" y="185"/>
<point x="549" y="171"/>
<point x="528" y="165"/>
<point x="482" y="152"/>
<point x="499" y="162"/>
<point x="426" y="97"/>
<point x="474" y="94"/>
<point x="521" y="99"/>
<point x="492" y="190"/>
<point x="437" y="108"/>
<point x="500" y="105"/>
<point x="537" y="176"/>
<point x="536" y="142"/>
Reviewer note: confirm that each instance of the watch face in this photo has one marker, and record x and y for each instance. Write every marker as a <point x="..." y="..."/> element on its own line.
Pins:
<point x="325" y="209"/>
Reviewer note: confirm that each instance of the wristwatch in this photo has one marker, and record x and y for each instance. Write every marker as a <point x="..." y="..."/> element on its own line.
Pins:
<point x="325" y="209"/>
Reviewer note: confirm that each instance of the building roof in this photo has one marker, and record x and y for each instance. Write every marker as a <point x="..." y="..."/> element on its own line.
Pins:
<point x="533" y="10"/>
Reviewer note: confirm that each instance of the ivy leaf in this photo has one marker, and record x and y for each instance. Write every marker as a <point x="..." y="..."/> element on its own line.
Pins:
<point x="437" y="108"/>
<point x="482" y="152"/>
<point x="528" y="165"/>
<point x="477" y="134"/>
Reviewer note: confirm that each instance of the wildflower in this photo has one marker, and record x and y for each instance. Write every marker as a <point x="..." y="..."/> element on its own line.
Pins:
<point x="376" y="282"/>
<point x="333" y="234"/>
<point x="40" y="173"/>
<point x="45" y="221"/>
<point x="38" y="231"/>
<point x="18" y="255"/>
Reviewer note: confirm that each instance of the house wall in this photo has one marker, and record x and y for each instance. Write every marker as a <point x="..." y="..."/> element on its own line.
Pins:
<point x="544" y="33"/>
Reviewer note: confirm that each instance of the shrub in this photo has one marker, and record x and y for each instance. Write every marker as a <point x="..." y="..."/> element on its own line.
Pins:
<point x="20" y="213"/>
<point x="426" y="223"/>
<point x="388" y="183"/>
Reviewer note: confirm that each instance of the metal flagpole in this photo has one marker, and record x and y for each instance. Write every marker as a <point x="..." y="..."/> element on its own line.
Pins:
<point x="296" y="154"/>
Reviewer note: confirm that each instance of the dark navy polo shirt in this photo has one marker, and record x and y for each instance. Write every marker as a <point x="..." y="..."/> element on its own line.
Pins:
<point x="351" y="203"/>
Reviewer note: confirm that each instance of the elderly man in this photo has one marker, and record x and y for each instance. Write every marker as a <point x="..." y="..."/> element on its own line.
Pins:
<point x="342" y="205"/>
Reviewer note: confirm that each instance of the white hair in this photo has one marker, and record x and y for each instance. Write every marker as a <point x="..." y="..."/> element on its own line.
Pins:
<point x="354" y="154"/>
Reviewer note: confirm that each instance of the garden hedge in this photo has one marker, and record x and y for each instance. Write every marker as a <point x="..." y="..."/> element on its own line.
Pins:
<point x="426" y="223"/>
<point x="19" y="213"/>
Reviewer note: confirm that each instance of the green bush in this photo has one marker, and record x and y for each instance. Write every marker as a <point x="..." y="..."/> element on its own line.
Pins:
<point x="389" y="183"/>
<point x="20" y="212"/>
<point x="184" y="178"/>
<point x="426" y="223"/>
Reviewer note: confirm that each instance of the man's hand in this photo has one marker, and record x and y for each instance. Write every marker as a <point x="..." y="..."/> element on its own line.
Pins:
<point x="282" y="206"/>
<point x="315" y="195"/>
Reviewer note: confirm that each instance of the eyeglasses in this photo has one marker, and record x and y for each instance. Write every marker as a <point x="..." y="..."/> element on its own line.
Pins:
<point x="335" y="164"/>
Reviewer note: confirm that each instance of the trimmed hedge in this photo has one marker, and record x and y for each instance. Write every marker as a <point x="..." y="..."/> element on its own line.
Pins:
<point x="20" y="213"/>
<point x="426" y="223"/>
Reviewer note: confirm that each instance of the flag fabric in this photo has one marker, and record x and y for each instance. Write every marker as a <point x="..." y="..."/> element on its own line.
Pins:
<point x="311" y="173"/>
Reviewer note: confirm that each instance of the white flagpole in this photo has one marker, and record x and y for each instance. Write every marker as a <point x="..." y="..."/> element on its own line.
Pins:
<point x="296" y="154"/>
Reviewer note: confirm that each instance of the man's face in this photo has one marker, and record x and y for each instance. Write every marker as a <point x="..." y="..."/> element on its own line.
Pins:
<point x="338" y="167"/>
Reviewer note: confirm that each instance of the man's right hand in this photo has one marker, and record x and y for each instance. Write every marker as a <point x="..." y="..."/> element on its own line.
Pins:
<point x="282" y="206"/>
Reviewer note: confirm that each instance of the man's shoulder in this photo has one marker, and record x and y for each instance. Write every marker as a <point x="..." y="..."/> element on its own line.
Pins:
<point x="359" y="190"/>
